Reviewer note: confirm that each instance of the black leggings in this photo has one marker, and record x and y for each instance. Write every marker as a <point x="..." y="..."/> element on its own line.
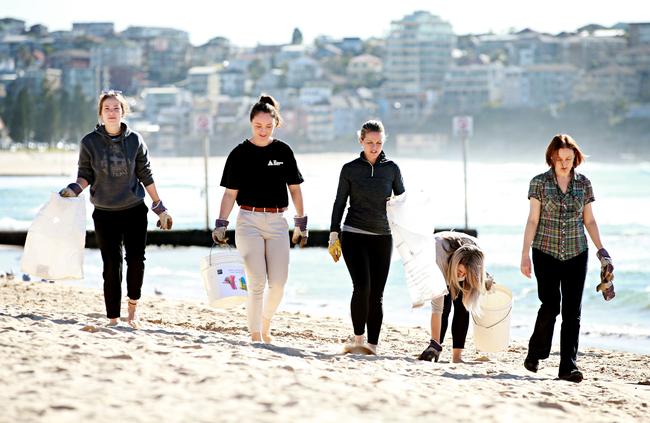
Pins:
<point x="112" y="230"/>
<point x="459" y="324"/>
<point x="559" y="288"/>
<point x="368" y="260"/>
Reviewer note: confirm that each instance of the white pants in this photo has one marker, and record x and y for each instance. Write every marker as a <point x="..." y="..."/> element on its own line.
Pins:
<point x="263" y="242"/>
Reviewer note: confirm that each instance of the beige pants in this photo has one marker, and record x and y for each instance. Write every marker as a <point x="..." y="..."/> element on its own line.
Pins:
<point x="263" y="242"/>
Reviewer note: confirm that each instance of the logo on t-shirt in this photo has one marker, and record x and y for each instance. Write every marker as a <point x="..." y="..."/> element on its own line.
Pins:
<point x="275" y="163"/>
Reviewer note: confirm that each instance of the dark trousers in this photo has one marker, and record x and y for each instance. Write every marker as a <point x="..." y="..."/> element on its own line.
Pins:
<point x="112" y="230"/>
<point x="368" y="260"/>
<point x="459" y="324"/>
<point x="559" y="288"/>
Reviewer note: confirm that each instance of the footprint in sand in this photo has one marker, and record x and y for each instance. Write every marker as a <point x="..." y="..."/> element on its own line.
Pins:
<point x="120" y="357"/>
<point x="94" y="329"/>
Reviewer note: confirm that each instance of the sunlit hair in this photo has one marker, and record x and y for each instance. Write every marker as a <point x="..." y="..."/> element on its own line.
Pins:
<point x="372" y="126"/>
<point x="473" y="259"/>
<point x="116" y="95"/>
<point x="267" y="104"/>
<point x="563" y="141"/>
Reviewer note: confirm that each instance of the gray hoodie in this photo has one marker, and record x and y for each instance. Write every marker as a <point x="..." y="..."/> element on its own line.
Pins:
<point x="117" y="169"/>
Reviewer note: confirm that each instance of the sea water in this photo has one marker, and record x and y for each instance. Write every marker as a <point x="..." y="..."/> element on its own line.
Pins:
<point x="497" y="208"/>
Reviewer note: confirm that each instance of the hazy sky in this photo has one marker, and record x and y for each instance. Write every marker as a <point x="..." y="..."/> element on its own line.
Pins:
<point x="249" y="22"/>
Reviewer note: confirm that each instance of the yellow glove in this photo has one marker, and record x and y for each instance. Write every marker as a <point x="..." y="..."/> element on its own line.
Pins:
<point x="334" y="246"/>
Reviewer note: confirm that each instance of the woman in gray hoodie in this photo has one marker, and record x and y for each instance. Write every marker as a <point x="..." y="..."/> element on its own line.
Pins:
<point x="114" y="162"/>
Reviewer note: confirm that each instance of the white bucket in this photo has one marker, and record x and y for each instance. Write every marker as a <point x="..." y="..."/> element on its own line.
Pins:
<point x="224" y="278"/>
<point x="492" y="326"/>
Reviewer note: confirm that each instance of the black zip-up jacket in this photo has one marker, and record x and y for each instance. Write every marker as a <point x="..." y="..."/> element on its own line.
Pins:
<point x="368" y="187"/>
<point x="116" y="169"/>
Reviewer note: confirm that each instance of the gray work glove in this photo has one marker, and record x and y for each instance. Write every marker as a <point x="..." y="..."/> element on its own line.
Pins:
<point x="300" y="232"/>
<point x="219" y="232"/>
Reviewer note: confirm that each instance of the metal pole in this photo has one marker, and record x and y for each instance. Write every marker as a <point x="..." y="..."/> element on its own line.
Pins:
<point x="464" y="136"/>
<point x="206" y="155"/>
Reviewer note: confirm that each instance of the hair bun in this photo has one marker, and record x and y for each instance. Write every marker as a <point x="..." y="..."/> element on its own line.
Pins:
<point x="267" y="99"/>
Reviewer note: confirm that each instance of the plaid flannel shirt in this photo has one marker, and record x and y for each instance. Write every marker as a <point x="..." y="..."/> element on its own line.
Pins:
<point x="560" y="232"/>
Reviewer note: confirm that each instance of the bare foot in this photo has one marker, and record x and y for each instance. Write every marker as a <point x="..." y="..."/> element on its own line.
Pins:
<point x="256" y="337"/>
<point x="112" y="322"/>
<point x="358" y="345"/>
<point x="266" y="331"/>
<point x="372" y="348"/>
<point x="132" y="318"/>
<point x="456" y="354"/>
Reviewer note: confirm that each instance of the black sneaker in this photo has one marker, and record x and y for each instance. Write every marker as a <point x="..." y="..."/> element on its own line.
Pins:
<point x="432" y="352"/>
<point x="531" y="364"/>
<point x="574" y="376"/>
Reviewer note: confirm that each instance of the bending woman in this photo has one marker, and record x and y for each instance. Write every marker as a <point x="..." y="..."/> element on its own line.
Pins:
<point x="461" y="262"/>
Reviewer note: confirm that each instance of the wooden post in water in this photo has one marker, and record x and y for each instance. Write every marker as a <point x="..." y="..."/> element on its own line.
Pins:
<point x="206" y="156"/>
<point x="463" y="127"/>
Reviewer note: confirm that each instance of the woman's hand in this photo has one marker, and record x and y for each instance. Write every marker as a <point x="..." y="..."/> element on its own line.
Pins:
<point x="526" y="265"/>
<point x="334" y="246"/>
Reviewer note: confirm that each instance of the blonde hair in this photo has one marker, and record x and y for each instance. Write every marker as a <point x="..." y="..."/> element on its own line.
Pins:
<point x="117" y="95"/>
<point x="472" y="258"/>
<point x="372" y="126"/>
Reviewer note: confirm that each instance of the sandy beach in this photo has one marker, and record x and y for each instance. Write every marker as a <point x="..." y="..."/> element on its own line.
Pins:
<point x="192" y="363"/>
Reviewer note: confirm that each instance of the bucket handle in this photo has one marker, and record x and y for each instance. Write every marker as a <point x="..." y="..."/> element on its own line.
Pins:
<point x="228" y="247"/>
<point x="491" y="326"/>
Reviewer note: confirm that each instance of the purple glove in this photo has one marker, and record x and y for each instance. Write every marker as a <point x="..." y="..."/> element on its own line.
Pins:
<point x="158" y="207"/>
<point x="300" y="232"/>
<point x="72" y="190"/>
<point x="219" y="232"/>
<point x="165" y="221"/>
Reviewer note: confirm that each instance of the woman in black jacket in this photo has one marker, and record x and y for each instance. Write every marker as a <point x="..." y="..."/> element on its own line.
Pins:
<point x="365" y="240"/>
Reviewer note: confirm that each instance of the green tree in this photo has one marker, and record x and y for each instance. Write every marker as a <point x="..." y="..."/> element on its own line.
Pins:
<point x="80" y="114"/>
<point x="6" y="108"/>
<point x="46" y="117"/>
<point x="20" y="129"/>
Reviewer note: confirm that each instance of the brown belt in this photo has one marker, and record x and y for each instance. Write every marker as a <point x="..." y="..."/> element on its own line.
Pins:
<point x="263" y="209"/>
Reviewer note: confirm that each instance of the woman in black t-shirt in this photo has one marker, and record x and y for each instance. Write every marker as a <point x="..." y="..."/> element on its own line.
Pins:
<point x="256" y="175"/>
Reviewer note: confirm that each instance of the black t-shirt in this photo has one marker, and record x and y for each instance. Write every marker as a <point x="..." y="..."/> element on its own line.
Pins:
<point x="261" y="174"/>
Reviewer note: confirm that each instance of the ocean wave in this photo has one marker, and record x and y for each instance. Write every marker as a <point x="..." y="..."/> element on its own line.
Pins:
<point x="10" y="224"/>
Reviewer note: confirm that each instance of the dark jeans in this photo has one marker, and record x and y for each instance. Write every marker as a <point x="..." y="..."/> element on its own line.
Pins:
<point x="459" y="324"/>
<point x="559" y="287"/>
<point x="112" y="230"/>
<point x="368" y="260"/>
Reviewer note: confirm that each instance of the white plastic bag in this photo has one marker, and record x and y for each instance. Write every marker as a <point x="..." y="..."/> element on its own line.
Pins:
<point x="54" y="248"/>
<point x="411" y="225"/>
<point x="224" y="278"/>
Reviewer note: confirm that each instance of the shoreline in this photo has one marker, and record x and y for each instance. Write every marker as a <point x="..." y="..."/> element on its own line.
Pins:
<point x="192" y="363"/>
<point x="629" y="335"/>
<point x="64" y="163"/>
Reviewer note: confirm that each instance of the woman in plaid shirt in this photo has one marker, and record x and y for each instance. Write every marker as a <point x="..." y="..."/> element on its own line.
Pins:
<point x="560" y="210"/>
